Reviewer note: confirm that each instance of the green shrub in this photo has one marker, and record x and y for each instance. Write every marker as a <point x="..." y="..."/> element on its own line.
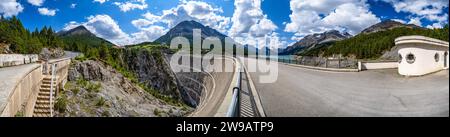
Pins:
<point x="157" y="112"/>
<point x="105" y="113"/>
<point x="75" y="90"/>
<point x="19" y="114"/>
<point x="100" y="102"/>
<point x="93" y="87"/>
<point x="61" y="104"/>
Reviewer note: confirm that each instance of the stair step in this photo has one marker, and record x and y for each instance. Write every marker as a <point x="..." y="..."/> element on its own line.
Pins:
<point x="43" y="102"/>
<point x="44" y="93"/>
<point x="38" y="110"/>
<point x="44" y="89"/>
<point x="41" y="115"/>
<point x="48" y="82"/>
<point x="41" y="106"/>
<point x="45" y="85"/>
<point x="43" y="97"/>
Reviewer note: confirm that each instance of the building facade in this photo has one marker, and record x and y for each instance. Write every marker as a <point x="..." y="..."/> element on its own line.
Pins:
<point x="419" y="55"/>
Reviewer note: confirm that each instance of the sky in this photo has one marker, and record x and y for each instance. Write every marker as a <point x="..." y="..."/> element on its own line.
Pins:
<point x="273" y="23"/>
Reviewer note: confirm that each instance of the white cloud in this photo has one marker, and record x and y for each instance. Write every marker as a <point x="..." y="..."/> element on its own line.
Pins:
<point x="435" y="25"/>
<point x="10" y="8"/>
<point x="100" y="1"/>
<point x="196" y="10"/>
<point x="150" y="33"/>
<point x="350" y="17"/>
<point x="399" y="20"/>
<point x="415" y="21"/>
<point x="73" y="5"/>
<point x="432" y="10"/>
<point x="47" y="12"/>
<point x="71" y="25"/>
<point x="139" y="23"/>
<point x="248" y="19"/>
<point x="317" y="16"/>
<point x="36" y="2"/>
<point x="148" y="20"/>
<point x="131" y="5"/>
<point x="251" y="26"/>
<point x="275" y="41"/>
<point x="186" y="10"/>
<point x="103" y="26"/>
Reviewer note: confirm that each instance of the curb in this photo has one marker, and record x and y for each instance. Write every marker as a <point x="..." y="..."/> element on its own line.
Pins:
<point x="256" y="96"/>
<point x="324" y="69"/>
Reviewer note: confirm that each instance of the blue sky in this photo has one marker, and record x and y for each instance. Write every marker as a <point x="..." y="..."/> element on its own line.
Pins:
<point x="283" y="22"/>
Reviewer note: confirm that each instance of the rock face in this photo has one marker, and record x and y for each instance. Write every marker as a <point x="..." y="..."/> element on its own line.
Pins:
<point x="312" y="40"/>
<point x="391" y="55"/>
<point x="4" y="48"/>
<point x="386" y="25"/>
<point x="153" y="70"/>
<point x="47" y="53"/>
<point x="96" y="89"/>
<point x="91" y="70"/>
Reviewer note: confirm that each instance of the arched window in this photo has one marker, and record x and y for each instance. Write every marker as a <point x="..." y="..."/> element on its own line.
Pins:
<point x="400" y="58"/>
<point x="410" y="58"/>
<point x="436" y="57"/>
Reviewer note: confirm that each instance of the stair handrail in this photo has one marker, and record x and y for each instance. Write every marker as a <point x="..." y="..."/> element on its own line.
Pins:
<point x="51" y="88"/>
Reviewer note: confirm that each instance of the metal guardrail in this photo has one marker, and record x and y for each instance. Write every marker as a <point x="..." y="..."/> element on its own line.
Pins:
<point x="234" y="108"/>
<point x="338" y="63"/>
<point x="52" y="88"/>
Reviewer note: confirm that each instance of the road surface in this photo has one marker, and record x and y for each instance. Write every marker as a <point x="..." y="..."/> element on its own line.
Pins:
<point x="306" y="92"/>
<point x="217" y="86"/>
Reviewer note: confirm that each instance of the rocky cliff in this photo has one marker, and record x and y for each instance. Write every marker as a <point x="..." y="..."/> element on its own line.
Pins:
<point x="152" y="68"/>
<point x="96" y="89"/>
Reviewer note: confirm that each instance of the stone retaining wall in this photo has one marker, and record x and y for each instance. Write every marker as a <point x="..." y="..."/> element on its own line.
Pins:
<point x="7" y="60"/>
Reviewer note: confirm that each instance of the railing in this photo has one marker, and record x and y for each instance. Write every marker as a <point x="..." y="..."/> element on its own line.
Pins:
<point x="234" y="108"/>
<point x="52" y="79"/>
<point x="323" y="62"/>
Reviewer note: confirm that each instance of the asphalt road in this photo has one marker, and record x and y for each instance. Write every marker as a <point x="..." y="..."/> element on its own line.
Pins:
<point x="313" y="93"/>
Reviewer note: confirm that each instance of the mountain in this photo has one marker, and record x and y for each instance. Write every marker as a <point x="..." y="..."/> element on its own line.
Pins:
<point x="310" y="41"/>
<point x="82" y="35"/>
<point x="386" y="25"/>
<point x="80" y="30"/>
<point x="185" y="29"/>
<point x="376" y="45"/>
